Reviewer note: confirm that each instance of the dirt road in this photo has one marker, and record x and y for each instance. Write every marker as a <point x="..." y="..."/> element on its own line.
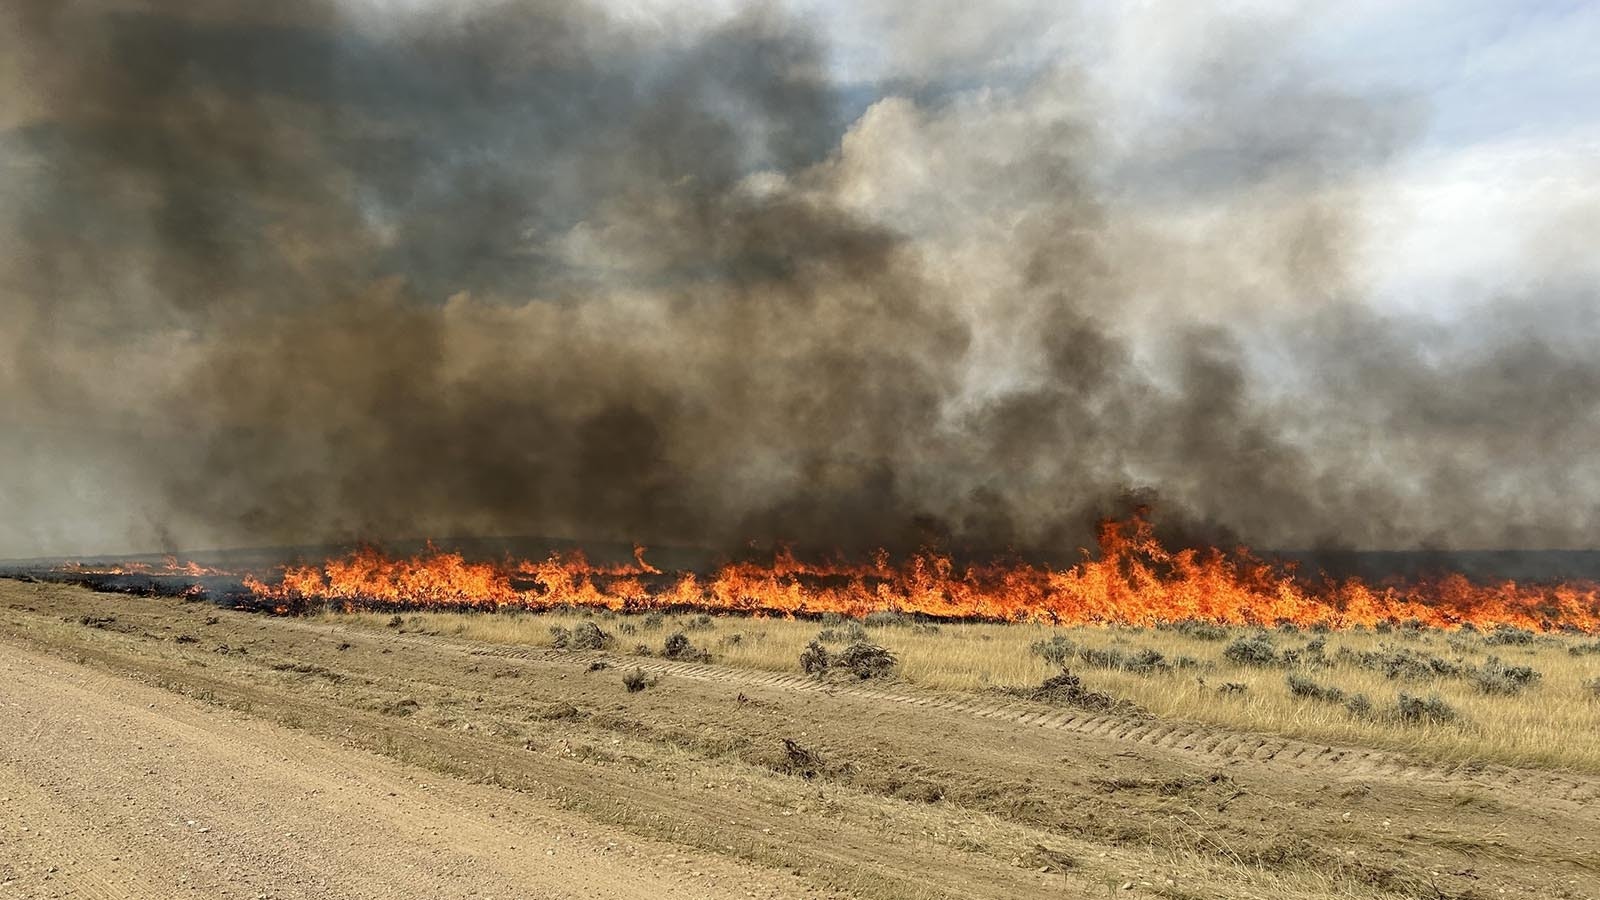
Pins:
<point x="109" y="789"/>
<point x="155" y="748"/>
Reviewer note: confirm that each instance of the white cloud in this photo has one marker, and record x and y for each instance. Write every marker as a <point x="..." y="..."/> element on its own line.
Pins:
<point x="1463" y="226"/>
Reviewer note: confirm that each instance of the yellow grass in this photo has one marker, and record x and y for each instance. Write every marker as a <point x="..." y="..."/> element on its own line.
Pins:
<point x="1550" y="725"/>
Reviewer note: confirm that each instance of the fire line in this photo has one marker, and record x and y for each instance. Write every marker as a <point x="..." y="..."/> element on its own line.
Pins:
<point x="1134" y="581"/>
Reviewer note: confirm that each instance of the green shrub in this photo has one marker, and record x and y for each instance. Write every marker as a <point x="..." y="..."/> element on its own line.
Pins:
<point x="1145" y="662"/>
<point x="1359" y="705"/>
<point x="1301" y="686"/>
<point x="1495" y="677"/>
<point x="1107" y="658"/>
<point x="1402" y="662"/>
<point x="1061" y="652"/>
<point x="843" y="633"/>
<point x="1198" y="629"/>
<point x="888" y="617"/>
<point x="1506" y="635"/>
<point x="1058" y="651"/>
<point x="1252" y="650"/>
<point x="1419" y="710"/>
<point x="701" y="622"/>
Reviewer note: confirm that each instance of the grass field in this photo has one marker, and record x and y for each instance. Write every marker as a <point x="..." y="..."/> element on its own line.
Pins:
<point x="881" y="789"/>
<point x="1513" y="698"/>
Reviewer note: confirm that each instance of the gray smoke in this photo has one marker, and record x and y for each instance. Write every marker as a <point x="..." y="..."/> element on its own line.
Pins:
<point x="535" y="268"/>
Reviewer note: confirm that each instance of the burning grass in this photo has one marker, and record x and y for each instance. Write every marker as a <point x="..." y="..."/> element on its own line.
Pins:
<point x="1511" y="703"/>
<point x="1134" y="580"/>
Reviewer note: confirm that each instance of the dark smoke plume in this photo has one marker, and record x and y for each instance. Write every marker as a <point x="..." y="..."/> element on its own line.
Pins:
<point x="531" y="268"/>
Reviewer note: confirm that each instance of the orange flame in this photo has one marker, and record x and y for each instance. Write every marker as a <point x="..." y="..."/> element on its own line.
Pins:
<point x="169" y="567"/>
<point x="1135" y="581"/>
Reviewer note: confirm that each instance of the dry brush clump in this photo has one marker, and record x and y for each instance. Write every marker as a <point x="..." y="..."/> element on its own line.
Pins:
<point x="1370" y="667"/>
<point x="1057" y="651"/>
<point x="582" y="636"/>
<point x="1493" y="676"/>
<point x="701" y="622"/>
<point x="635" y="680"/>
<point x="1408" y="709"/>
<point x="1301" y="686"/>
<point x="865" y="660"/>
<point x="678" y="646"/>
<point x="1506" y="635"/>
<point x="1425" y="710"/>
<point x="1252" y="650"/>
<point x="860" y="657"/>
<point x="1312" y="654"/>
<point x="1359" y="705"/>
<point x="1060" y="652"/>
<point x="847" y="632"/>
<point x="1068" y="689"/>
<point x="1496" y="677"/>
<point x="814" y="659"/>
<point x="897" y="619"/>
<point x="1403" y="663"/>
<point x="1198" y="629"/>
<point x="800" y="760"/>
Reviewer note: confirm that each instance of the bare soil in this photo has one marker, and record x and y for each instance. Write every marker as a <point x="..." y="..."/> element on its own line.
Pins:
<point x="155" y="748"/>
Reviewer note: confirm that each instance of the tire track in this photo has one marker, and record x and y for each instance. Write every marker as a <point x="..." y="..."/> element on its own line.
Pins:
<point x="77" y="859"/>
<point x="1183" y="737"/>
<point x="1212" y="742"/>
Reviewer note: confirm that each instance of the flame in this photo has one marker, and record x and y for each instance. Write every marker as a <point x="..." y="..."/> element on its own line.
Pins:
<point x="1133" y="581"/>
<point x="170" y="566"/>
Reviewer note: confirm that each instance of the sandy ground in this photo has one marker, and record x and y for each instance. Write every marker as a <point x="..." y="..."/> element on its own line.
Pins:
<point x="153" y="748"/>
<point x="111" y="789"/>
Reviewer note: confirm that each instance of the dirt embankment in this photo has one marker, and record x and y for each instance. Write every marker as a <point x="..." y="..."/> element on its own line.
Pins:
<point x="160" y="749"/>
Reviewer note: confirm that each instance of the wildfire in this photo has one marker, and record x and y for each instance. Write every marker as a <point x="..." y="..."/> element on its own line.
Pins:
<point x="1134" y="580"/>
<point x="170" y="566"/>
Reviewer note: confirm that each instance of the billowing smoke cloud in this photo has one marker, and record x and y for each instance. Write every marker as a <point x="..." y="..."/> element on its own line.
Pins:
<point x="340" y="270"/>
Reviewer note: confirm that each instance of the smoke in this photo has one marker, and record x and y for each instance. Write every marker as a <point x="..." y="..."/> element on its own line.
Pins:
<point x="359" y="270"/>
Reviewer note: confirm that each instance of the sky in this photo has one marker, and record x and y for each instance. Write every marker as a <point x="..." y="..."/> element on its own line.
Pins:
<point x="1507" y="147"/>
<point x="848" y="274"/>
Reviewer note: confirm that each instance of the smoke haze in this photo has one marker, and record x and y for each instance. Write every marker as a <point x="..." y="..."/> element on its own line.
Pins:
<point x="359" y="270"/>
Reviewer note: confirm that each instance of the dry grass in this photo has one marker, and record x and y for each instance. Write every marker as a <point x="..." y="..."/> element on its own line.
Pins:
<point x="1544" y="726"/>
